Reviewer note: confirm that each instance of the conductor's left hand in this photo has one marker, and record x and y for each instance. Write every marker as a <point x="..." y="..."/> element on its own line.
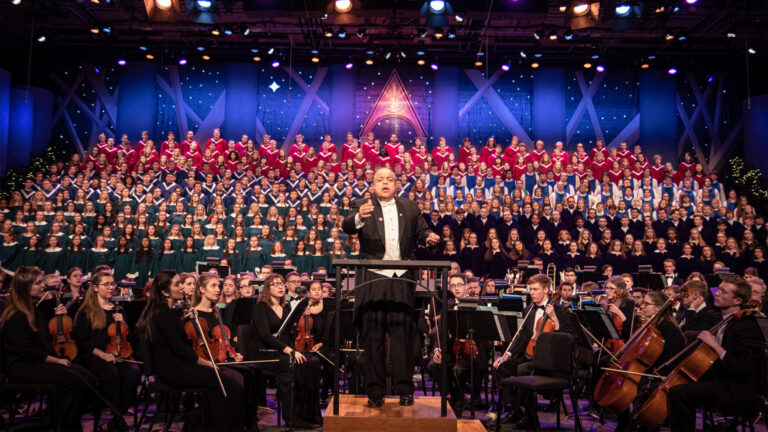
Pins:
<point x="433" y="239"/>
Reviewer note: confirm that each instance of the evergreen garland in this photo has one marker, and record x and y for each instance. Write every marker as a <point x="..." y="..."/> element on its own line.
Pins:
<point x="14" y="178"/>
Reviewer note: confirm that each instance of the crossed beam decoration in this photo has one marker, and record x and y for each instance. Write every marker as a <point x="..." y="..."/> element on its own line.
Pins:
<point x="719" y="150"/>
<point x="310" y="96"/>
<point x="485" y="89"/>
<point x="106" y="102"/>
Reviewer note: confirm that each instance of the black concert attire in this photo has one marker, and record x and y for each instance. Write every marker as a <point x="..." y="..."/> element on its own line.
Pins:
<point x="24" y="354"/>
<point x="702" y="319"/>
<point x="733" y="383"/>
<point x="386" y="306"/>
<point x="176" y="363"/>
<point x="306" y="378"/>
<point x="321" y="333"/>
<point x="253" y="379"/>
<point x="118" y="380"/>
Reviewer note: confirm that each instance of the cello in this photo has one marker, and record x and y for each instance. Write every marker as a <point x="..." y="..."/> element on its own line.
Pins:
<point x="698" y="361"/>
<point x="60" y="328"/>
<point x="617" y="388"/>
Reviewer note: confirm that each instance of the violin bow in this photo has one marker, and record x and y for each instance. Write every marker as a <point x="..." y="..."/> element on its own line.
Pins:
<point x="207" y="349"/>
<point x="517" y="333"/>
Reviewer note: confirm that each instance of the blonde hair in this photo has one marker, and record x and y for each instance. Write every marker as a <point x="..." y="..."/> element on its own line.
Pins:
<point x="91" y="307"/>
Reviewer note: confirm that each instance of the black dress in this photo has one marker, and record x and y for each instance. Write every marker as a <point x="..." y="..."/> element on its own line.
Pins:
<point x="118" y="381"/>
<point x="176" y="363"/>
<point x="24" y="353"/>
<point x="306" y="403"/>
<point x="321" y="333"/>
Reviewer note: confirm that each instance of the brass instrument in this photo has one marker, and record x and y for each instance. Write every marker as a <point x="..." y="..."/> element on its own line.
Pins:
<point x="552" y="275"/>
<point x="513" y="276"/>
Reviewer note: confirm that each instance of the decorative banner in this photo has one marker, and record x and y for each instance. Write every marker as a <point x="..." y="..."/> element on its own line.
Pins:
<point x="393" y="102"/>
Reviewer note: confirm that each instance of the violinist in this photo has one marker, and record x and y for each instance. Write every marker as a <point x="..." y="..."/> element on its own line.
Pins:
<point x="118" y="380"/>
<point x="320" y="332"/>
<point x="698" y="315"/>
<point x="620" y="308"/>
<point x="269" y="313"/>
<point x="28" y="354"/>
<point x="206" y="293"/>
<point x="516" y="361"/>
<point x="177" y="363"/>
<point x="732" y="383"/>
<point x="566" y="295"/>
<point x="73" y="286"/>
<point x="458" y="363"/>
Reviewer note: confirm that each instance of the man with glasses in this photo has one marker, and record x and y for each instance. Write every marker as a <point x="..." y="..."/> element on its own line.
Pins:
<point x="292" y="284"/>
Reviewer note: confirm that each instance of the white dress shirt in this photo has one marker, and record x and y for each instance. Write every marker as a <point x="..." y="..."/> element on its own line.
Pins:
<point x="391" y="235"/>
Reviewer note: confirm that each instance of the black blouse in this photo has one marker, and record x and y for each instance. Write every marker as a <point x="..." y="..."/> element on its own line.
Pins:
<point x="267" y="323"/>
<point x="170" y="345"/>
<point x="22" y="344"/>
<point x="88" y="338"/>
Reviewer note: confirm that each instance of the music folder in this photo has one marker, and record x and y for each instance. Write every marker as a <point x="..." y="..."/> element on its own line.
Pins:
<point x="597" y="321"/>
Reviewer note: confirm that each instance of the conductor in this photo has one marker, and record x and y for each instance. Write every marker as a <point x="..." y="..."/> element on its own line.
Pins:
<point x="388" y="228"/>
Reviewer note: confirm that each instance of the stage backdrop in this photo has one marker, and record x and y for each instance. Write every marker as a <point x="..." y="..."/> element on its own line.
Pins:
<point x="666" y="114"/>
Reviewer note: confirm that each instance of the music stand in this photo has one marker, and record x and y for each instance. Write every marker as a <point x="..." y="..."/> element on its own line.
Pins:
<point x="596" y="322"/>
<point x="240" y="311"/>
<point x="478" y="325"/>
<point x="205" y="267"/>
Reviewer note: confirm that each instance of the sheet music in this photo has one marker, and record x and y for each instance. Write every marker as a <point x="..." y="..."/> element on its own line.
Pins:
<point x="298" y="310"/>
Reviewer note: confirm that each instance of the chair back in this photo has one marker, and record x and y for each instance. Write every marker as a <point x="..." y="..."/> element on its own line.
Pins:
<point x="554" y="355"/>
<point x="148" y="366"/>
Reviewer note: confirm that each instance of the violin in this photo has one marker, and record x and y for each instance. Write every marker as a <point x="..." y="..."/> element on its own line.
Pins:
<point x="546" y="326"/>
<point x="614" y="345"/>
<point x="304" y="339"/>
<point x="465" y="349"/>
<point x="201" y="343"/>
<point x="221" y="337"/>
<point x="118" y="342"/>
<point x="60" y="328"/>
<point x="616" y="390"/>
<point x="689" y="370"/>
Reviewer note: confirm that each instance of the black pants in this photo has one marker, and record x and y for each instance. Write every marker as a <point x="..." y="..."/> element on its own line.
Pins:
<point x="459" y="376"/>
<point x="683" y="401"/>
<point x="254" y="389"/>
<point x="515" y="366"/>
<point x="306" y="382"/>
<point x="72" y="389"/>
<point x="396" y="319"/>
<point x="118" y="381"/>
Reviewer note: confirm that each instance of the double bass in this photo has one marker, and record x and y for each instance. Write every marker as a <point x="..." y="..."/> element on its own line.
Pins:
<point x="699" y="360"/>
<point x="617" y="388"/>
<point x="60" y="328"/>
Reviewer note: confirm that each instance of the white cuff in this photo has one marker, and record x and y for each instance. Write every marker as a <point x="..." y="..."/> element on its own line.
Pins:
<point x="358" y="222"/>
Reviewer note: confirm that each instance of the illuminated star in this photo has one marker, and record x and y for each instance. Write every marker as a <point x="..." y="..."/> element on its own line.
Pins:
<point x="274" y="86"/>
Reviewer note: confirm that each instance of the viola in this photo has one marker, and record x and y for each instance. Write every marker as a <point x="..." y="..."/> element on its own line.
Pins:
<point x="221" y="337"/>
<point x="689" y="370"/>
<point x="615" y="390"/>
<point x="60" y="328"/>
<point x="200" y="339"/>
<point x="546" y="326"/>
<point x="118" y="342"/>
<point x="304" y="339"/>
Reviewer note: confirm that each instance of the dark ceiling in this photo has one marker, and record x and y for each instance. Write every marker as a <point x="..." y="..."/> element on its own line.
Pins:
<point x="500" y="29"/>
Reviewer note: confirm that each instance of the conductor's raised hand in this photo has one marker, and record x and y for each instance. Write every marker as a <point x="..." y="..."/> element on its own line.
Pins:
<point x="433" y="239"/>
<point x="366" y="210"/>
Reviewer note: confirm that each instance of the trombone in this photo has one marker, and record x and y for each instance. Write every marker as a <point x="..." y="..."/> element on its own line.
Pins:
<point x="551" y="273"/>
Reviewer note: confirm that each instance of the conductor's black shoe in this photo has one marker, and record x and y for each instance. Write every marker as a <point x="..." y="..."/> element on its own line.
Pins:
<point x="406" y="400"/>
<point x="375" y="401"/>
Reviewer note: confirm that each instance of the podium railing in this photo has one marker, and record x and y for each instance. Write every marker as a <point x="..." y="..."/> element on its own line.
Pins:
<point x="438" y="269"/>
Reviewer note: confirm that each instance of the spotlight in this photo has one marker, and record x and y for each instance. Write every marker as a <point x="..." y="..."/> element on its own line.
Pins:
<point x="600" y="68"/>
<point x="563" y="7"/>
<point x="538" y="35"/>
<point x="668" y="36"/>
<point x="451" y="33"/>
<point x="730" y="35"/>
<point x="595" y="56"/>
<point x="623" y="9"/>
<point x="315" y="59"/>
<point x="535" y="65"/>
<point x="568" y="35"/>
<point x="16" y="2"/>
<point x="751" y="50"/>
<point x="349" y="65"/>
<point x="182" y="61"/>
<point x="439" y="33"/>
<point x="437" y="6"/>
<point x="672" y="70"/>
<point x="552" y="35"/>
<point x="645" y="66"/>
<point x="142" y="47"/>
<point x="651" y="57"/>
<point x="271" y="50"/>
<point x="360" y="32"/>
<point x="200" y="48"/>
<point x="387" y="55"/>
<point x="420" y="62"/>
<point x="459" y="18"/>
<point x="580" y="9"/>
<point x="121" y="61"/>
<point x="247" y="31"/>
<point x="95" y="30"/>
<point x="478" y="63"/>
<point x="422" y="32"/>
<point x="420" y="52"/>
<point x="343" y="6"/>
<point x="254" y="50"/>
<point x="369" y="61"/>
<point x="206" y="57"/>
<point x="276" y="63"/>
<point x="216" y="31"/>
<point x="434" y="66"/>
<point x="587" y="65"/>
<point x="538" y="54"/>
<point x="402" y="54"/>
<point x="314" y="51"/>
<point x="228" y="31"/>
<point x="342" y="33"/>
<point x="107" y="30"/>
<point x="257" y="59"/>
<point x="523" y="54"/>
<point x="164" y="4"/>
<point x="682" y="37"/>
<point x="204" y="5"/>
<point x="328" y="32"/>
<point x="150" y="57"/>
<point x="41" y="38"/>
<point x="505" y="67"/>
<point x="690" y="2"/>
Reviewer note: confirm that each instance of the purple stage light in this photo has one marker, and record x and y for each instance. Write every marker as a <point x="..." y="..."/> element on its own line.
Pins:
<point x="434" y="66"/>
<point x="350" y="65"/>
<point x="672" y="71"/>
<point x="182" y="61"/>
<point x="505" y="67"/>
<point x="600" y="68"/>
<point x="121" y="62"/>
<point x="691" y="1"/>
<point x="275" y="64"/>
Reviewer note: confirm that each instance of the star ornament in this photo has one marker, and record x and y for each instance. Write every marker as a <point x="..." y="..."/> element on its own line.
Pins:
<point x="274" y="86"/>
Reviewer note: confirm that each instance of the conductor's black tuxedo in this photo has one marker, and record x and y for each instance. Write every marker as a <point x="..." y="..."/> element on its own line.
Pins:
<point x="386" y="306"/>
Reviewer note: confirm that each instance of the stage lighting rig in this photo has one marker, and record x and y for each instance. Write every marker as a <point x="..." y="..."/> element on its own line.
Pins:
<point x="163" y="10"/>
<point x="342" y="6"/>
<point x="626" y="14"/>
<point x="584" y="14"/>
<point x="436" y="12"/>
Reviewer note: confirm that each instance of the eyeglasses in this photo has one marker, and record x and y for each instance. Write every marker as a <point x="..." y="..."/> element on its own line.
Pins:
<point x="107" y="284"/>
<point x="274" y="284"/>
<point x="460" y="284"/>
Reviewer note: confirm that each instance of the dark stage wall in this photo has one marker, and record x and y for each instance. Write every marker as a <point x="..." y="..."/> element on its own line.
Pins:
<point x="665" y="114"/>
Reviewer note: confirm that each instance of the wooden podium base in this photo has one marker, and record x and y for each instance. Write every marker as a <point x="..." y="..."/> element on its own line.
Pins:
<point x="355" y="415"/>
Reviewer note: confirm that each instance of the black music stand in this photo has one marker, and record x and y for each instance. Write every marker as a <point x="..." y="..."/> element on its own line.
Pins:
<point x="596" y="322"/>
<point x="477" y="325"/>
<point x="239" y="311"/>
<point x="288" y="330"/>
<point x="222" y="271"/>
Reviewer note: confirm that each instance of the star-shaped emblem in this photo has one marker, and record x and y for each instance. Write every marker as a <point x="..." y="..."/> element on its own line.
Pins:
<point x="274" y="86"/>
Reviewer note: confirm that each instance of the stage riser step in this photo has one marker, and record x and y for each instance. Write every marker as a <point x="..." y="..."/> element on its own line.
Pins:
<point x="355" y="415"/>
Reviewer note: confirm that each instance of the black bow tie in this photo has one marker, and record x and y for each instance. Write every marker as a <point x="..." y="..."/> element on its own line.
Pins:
<point x="541" y="307"/>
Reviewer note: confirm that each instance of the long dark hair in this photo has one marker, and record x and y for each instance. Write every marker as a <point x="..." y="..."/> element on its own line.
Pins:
<point x="141" y="253"/>
<point x="19" y="298"/>
<point x="156" y="299"/>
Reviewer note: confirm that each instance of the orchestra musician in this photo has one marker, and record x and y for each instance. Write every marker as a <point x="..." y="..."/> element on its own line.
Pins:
<point x="620" y="308"/>
<point x="176" y="362"/>
<point x="269" y="313"/>
<point x="698" y="315"/>
<point x="458" y="364"/>
<point x="321" y="332"/>
<point x="207" y="291"/>
<point x="389" y="227"/>
<point x="733" y="382"/>
<point x="516" y="361"/>
<point x="27" y="351"/>
<point x="119" y="380"/>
